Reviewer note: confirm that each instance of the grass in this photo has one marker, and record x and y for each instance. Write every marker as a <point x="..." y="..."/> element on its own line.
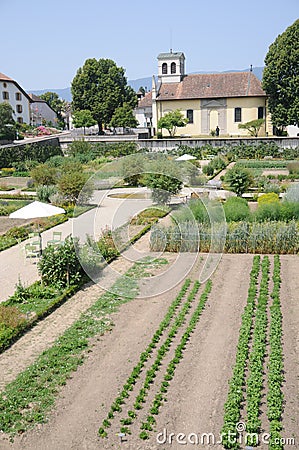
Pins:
<point x="30" y="396"/>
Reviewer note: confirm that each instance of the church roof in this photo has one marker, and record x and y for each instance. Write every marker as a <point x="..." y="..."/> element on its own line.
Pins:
<point x="215" y="85"/>
<point x="170" y="55"/>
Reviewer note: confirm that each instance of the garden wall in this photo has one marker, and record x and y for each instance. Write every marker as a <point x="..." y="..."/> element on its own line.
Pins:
<point x="169" y="144"/>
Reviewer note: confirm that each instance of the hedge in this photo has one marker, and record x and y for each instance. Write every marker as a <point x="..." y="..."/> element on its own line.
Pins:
<point x="36" y="151"/>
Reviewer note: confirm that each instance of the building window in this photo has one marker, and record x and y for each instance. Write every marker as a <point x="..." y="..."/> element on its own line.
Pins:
<point x="20" y="120"/>
<point x="5" y="95"/>
<point x="18" y="96"/>
<point x="19" y="108"/>
<point x="238" y="115"/>
<point x="5" y="85"/>
<point x="173" y="67"/>
<point x="164" y="68"/>
<point x="260" y="112"/>
<point x="190" y="115"/>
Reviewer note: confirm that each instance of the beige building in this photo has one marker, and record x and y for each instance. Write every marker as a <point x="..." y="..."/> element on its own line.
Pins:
<point x="222" y="100"/>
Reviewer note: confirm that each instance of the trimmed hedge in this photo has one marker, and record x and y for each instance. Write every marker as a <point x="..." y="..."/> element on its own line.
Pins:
<point x="37" y="151"/>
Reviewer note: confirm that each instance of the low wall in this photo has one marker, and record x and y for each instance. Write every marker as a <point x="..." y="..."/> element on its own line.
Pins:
<point x="54" y="141"/>
<point x="169" y="144"/>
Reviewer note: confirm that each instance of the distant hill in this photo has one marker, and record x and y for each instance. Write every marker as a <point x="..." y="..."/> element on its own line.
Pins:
<point x="65" y="93"/>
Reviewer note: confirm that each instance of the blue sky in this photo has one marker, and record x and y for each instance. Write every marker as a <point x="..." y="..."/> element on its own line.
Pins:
<point x="45" y="42"/>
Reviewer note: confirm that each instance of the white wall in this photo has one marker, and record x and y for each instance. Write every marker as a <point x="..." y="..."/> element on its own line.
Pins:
<point x="12" y="90"/>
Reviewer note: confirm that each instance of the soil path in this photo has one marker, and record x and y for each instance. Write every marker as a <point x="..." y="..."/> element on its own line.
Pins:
<point x="290" y="311"/>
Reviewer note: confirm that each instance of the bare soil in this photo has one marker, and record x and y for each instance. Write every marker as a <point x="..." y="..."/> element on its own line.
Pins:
<point x="6" y="223"/>
<point x="197" y="392"/>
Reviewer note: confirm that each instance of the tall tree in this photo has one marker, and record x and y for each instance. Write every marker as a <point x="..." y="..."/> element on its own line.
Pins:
<point x="281" y="77"/>
<point x="7" y="123"/>
<point x="101" y="87"/>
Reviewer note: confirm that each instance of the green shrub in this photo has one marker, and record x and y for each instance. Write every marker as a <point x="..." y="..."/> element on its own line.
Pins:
<point x="59" y="265"/>
<point x="106" y="245"/>
<point x="44" y="192"/>
<point x="208" y="170"/>
<point x="293" y="167"/>
<point x="44" y="175"/>
<point x="236" y="209"/>
<point x="35" y="151"/>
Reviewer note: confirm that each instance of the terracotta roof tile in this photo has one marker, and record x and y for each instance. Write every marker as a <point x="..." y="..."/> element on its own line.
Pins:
<point x="231" y="84"/>
<point x="145" y="101"/>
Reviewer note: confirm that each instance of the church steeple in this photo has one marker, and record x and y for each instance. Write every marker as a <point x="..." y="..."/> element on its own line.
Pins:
<point x="171" y="67"/>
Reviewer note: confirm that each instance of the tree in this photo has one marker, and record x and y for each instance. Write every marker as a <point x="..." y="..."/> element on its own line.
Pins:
<point x="239" y="180"/>
<point x="83" y="119"/>
<point x="101" y="87"/>
<point x="171" y="120"/>
<point x="123" y="117"/>
<point x="7" y="123"/>
<point x="280" y="78"/>
<point x="253" y="126"/>
<point x="57" y="104"/>
<point x="132" y="169"/>
<point x="164" y="180"/>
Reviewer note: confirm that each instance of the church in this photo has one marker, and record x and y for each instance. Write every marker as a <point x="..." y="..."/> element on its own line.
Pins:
<point x="209" y="101"/>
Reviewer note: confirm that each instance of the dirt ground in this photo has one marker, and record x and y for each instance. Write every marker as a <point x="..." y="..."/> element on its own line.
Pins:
<point x="199" y="388"/>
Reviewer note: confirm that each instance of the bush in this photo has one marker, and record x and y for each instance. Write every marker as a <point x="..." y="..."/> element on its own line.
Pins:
<point x="45" y="192"/>
<point x="106" y="245"/>
<point x="268" y="211"/>
<point x="44" y="175"/>
<point x="208" y="170"/>
<point x="292" y="193"/>
<point x="35" y="151"/>
<point x="269" y="198"/>
<point x="236" y="209"/>
<point x="55" y="161"/>
<point x="293" y="167"/>
<point x="59" y="265"/>
<point x="239" y="180"/>
<point x="73" y="187"/>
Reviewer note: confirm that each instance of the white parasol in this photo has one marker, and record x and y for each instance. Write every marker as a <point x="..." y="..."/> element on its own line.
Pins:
<point x="35" y="210"/>
<point x="185" y="157"/>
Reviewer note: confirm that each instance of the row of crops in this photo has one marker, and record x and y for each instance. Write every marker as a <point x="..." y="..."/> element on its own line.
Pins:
<point x="239" y="237"/>
<point x="252" y="377"/>
<point x="145" y="390"/>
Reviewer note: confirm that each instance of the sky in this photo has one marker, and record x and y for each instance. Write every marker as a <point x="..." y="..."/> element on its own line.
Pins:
<point x="45" y="42"/>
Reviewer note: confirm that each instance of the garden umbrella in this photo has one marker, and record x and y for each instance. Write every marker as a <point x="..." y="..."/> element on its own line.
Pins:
<point x="185" y="157"/>
<point x="35" y="210"/>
